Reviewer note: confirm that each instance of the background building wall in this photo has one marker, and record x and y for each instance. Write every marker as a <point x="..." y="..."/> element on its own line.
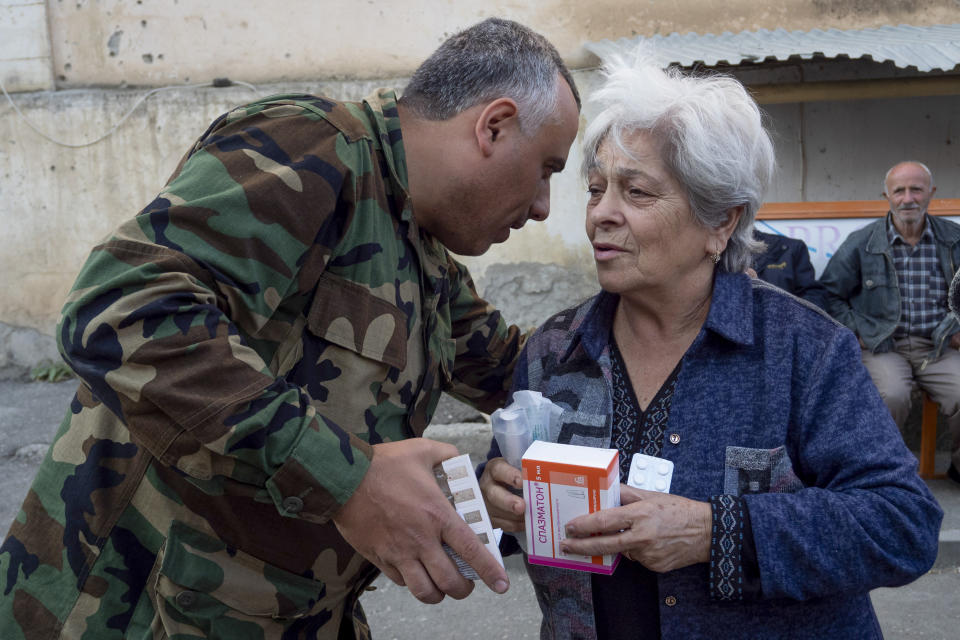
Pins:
<point x="25" y="55"/>
<point x="156" y="42"/>
<point x="846" y="147"/>
<point x="79" y="66"/>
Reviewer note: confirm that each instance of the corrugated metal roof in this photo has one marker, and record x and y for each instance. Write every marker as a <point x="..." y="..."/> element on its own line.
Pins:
<point x="926" y="48"/>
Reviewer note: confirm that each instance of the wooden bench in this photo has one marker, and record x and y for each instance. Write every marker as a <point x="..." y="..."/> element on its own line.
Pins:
<point x="928" y="438"/>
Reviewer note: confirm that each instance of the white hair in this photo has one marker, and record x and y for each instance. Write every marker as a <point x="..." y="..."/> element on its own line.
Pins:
<point x="711" y="135"/>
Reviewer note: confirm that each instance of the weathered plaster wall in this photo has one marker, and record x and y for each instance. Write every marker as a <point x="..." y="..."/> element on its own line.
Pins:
<point x="158" y="42"/>
<point x="841" y="150"/>
<point x="57" y="202"/>
<point x="25" y="57"/>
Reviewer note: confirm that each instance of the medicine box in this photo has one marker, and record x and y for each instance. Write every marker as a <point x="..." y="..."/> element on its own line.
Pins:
<point x="459" y="484"/>
<point x="560" y="483"/>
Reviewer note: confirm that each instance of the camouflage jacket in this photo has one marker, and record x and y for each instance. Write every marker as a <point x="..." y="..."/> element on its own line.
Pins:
<point x="242" y="342"/>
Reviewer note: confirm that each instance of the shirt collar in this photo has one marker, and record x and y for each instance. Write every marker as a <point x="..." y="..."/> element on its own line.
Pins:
<point x="731" y="308"/>
<point x="894" y="235"/>
<point x="594" y="332"/>
<point x="381" y="107"/>
<point x="730" y="316"/>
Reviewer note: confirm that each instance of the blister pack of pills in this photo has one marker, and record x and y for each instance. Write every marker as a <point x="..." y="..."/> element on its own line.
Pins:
<point x="459" y="484"/>
<point x="650" y="473"/>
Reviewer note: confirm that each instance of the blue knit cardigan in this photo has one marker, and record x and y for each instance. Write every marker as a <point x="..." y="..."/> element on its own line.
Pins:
<point x="771" y="389"/>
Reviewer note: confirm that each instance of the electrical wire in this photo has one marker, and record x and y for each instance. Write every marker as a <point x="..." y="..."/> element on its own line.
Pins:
<point x="218" y="82"/>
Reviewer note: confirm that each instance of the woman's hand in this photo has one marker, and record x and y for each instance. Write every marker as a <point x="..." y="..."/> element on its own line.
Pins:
<point x="505" y="508"/>
<point x="660" y="531"/>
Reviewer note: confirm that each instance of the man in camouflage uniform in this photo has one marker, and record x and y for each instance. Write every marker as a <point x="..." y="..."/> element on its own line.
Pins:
<point x="261" y="347"/>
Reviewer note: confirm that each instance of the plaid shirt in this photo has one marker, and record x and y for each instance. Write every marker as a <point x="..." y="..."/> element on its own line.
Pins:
<point x="923" y="289"/>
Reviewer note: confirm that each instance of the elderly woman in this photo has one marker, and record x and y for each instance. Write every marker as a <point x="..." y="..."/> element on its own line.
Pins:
<point x="793" y="494"/>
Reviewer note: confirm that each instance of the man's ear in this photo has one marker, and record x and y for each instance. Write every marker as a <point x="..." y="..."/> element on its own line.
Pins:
<point x="497" y="118"/>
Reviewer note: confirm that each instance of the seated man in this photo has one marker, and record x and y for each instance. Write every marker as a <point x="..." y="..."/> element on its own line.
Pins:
<point x="888" y="283"/>
<point x="786" y="263"/>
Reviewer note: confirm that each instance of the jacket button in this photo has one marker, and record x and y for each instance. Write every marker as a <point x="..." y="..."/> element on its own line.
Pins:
<point x="670" y="601"/>
<point x="292" y="504"/>
<point x="869" y="283"/>
<point x="186" y="599"/>
<point x="674" y="438"/>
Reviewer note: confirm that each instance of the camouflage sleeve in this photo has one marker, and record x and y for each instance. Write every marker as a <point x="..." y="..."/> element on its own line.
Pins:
<point x="174" y="321"/>
<point x="486" y="347"/>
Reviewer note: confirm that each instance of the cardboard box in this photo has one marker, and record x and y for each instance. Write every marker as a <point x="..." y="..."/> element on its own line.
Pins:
<point x="560" y="483"/>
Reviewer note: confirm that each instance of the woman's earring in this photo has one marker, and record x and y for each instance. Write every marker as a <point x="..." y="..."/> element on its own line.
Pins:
<point x="716" y="257"/>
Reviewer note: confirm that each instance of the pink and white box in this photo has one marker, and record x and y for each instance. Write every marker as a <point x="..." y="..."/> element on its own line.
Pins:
<point x="560" y="483"/>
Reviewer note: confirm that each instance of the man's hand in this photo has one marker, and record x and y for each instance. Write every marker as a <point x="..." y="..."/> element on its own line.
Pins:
<point x="660" y="531"/>
<point x="955" y="341"/>
<point x="398" y="517"/>
<point x="505" y="508"/>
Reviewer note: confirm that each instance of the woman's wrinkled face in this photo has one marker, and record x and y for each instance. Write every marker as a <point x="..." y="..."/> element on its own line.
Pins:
<point x="639" y="221"/>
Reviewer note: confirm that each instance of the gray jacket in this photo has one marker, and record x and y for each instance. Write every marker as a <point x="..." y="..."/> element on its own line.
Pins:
<point x="862" y="289"/>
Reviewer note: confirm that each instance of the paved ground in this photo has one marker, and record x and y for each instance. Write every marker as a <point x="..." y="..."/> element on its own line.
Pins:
<point x="31" y="412"/>
<point x="29" y="416"/>
<point x="926" y="609"/>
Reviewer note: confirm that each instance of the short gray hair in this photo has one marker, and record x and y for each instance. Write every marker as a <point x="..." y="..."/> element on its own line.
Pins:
<point x="711" y="135"/>
<point x="492" y="59"/>
<point x="886" y="176"/>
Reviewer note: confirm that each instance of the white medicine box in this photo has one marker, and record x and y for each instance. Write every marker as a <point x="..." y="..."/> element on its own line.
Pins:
<point x="560" y="483"/>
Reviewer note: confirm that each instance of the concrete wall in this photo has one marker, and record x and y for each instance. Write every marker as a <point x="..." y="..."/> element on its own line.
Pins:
<point x="841" y="150"/>
<point x="76" y="43"/>
<point x="157" y="42"/>
<point x="57" y="202"/>
<point x="25" y="55"/>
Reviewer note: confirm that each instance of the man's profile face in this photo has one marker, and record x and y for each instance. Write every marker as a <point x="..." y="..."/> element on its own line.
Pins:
<point x="515" y="186"/>
<point x="908" y="191"/>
